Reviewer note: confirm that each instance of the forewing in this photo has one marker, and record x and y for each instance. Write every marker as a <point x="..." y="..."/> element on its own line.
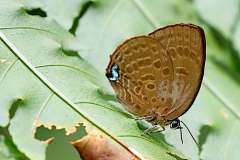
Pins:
<point x="146" y="71"/>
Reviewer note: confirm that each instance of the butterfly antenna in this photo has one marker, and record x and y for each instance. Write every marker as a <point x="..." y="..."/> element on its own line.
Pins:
<point x="181" y="135"/>
<point x="189" y="132"/>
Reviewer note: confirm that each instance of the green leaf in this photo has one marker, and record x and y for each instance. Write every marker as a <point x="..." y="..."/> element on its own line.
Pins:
<point x="8" y="149"/>
<point x="217" y="105"/>
<point x="65" y="12"/>
<point x="58" y="79"/>
<point x="4" y="153"/>
<point x="3" y="157"/>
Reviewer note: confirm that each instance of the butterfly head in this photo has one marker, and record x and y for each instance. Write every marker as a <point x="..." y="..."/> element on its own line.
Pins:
<point x="113" y="75"/>
<point x="175" y="124"/>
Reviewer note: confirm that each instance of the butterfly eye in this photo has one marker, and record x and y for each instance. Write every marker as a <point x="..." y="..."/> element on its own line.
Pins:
<point x="175" y="124"/>
<point x="114" y="75"/>
<point x="108" y="75"/>
<point x="115" y="67"/>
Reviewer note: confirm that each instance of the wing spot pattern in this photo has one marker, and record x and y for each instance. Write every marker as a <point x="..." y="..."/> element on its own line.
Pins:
<point x="157" y="64"/>
<point x="166" y="71"/>
<point x="147" y="77"/>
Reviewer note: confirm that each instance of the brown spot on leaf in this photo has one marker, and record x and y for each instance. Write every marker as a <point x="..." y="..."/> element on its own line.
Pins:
<point x="97" y="147"/>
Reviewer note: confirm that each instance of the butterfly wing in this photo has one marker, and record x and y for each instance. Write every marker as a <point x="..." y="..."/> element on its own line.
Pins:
<point x="185" y="43"/>
<point x="143" y="63"/>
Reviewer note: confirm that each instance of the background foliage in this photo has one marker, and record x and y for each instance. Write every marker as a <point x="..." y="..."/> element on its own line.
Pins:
<point x="55" y="75"/>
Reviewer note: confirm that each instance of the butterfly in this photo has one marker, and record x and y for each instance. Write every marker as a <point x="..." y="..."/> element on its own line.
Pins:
<point x="158" y="76"/>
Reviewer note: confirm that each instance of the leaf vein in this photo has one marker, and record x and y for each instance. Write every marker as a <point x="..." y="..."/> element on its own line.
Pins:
<point x="27" y="28"/>
<point x="7" y="71"/>
<point x="149" y="17"/>
<point x="67" y="66"/>
<point x="41" y="110"/>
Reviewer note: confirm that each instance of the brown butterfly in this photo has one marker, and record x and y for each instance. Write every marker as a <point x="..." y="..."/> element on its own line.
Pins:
<point x="158" y="76"/>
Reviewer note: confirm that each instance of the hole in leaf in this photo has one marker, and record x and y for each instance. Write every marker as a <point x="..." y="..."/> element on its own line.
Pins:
<point x="14" y="107"/>
<point x="36" y="12"/>
<point x="12" y="149"/>
<point x="69" y="52"/>
<point x="6" y="137"/>
<point x="59" y="144"/>
<point x="75" y="24"/>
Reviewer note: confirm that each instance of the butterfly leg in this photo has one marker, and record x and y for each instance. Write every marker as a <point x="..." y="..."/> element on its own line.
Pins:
<point x="148" y="118"/>
<point x="154" y="129"/>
